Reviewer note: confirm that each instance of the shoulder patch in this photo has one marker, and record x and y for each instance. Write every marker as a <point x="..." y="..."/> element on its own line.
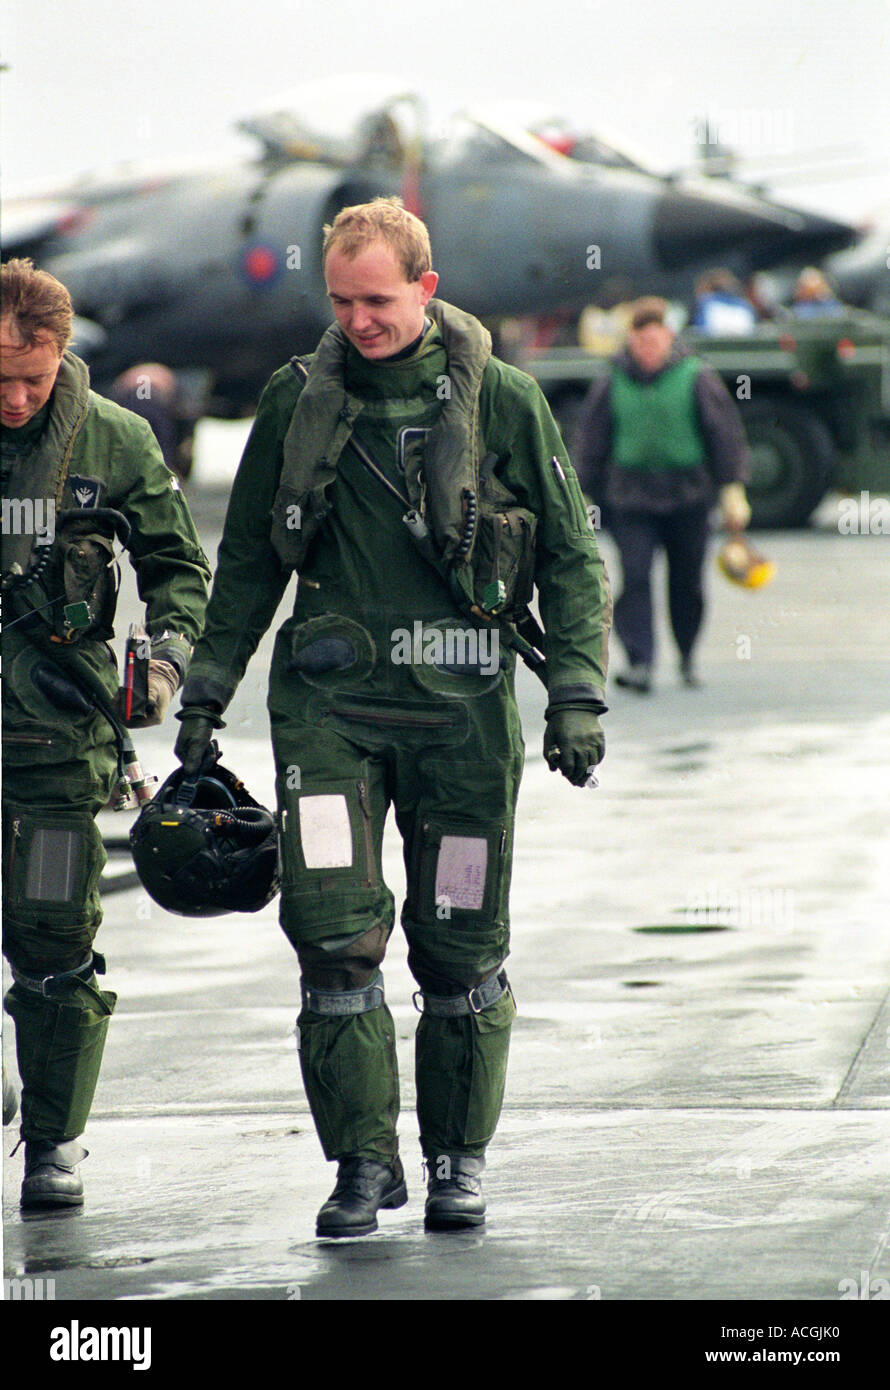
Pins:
<point x="84" y="491"/>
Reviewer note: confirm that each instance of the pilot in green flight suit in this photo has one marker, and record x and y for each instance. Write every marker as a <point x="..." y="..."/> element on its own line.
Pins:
<point x="76" y="470"/>
<point x="387" y="688"/>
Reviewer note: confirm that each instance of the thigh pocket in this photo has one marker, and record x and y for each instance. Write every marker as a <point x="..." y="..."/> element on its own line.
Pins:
<point x="53" y="866"/>
<point x="327" y="839"/>
<point x="458" y="871"/>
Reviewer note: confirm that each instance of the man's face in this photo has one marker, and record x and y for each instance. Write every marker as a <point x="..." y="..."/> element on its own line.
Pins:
<point x="27" y="375"/>
<point x="378" y="309"/>
<point x="650" y="347"/>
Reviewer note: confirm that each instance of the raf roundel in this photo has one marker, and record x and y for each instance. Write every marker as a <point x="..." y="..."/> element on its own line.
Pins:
<point x="261" y="264"/>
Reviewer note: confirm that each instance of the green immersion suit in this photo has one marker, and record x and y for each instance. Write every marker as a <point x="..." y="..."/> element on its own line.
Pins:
<point x="82" y="454"/>
<point x="369" y="706"/>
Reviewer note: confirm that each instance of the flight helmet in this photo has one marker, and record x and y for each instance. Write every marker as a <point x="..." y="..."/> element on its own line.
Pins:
<point x="203" y="847"/>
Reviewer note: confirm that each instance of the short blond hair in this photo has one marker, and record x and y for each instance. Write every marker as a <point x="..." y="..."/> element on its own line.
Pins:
<point x="383" y="219"/>
<point x="36" y="303"/>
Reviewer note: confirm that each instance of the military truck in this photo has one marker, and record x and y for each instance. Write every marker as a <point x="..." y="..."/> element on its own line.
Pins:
<point x="814" y="397"/>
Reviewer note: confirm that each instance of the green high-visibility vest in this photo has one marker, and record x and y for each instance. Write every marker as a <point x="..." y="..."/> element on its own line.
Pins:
<point x="655" y="424"/>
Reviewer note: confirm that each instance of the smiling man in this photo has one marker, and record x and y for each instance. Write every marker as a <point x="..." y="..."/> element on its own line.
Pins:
<point x="464" y="448"/>
<point x="378" y="302"/>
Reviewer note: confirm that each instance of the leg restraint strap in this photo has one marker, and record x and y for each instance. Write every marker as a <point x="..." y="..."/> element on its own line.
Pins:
<point x="339" y="1003"/>
<point x="48" y="985"/>
<point x="454" y="1006"/>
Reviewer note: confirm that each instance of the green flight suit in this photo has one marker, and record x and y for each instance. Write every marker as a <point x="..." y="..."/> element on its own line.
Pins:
<point x="369" y="707"/>
<point x="60" y="763"/>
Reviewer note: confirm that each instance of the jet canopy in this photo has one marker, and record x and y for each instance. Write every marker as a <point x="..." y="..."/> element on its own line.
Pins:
<point x="348" y="121"/>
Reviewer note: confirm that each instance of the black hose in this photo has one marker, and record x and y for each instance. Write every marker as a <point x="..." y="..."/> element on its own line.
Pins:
<point x="254" y="824"/>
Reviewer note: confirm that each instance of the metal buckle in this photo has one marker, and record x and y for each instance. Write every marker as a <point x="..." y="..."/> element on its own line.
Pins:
<point x="473" y="1008"/>
<point x="418" y="994"/>
<point x="39" y="985"/>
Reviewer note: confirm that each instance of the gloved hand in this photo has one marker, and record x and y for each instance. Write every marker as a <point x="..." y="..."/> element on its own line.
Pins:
<point x="735" y="512"/>
<point x="163" y="683"/>
<point x="574" y="742"/>
<point x="199" y="724"/>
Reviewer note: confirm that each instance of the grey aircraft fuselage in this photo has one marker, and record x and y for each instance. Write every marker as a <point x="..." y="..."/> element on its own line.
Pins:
<point x="222" y="270"/>
<point x="862" y="273"/>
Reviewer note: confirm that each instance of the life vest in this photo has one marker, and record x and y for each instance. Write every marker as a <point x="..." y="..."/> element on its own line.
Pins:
<point x="655" y="423"/>
<point x="323" y="421"/>
<point x="58" y="539"/>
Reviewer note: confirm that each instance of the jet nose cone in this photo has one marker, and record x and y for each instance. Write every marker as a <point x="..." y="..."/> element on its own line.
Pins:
<point x="712" y="226"/>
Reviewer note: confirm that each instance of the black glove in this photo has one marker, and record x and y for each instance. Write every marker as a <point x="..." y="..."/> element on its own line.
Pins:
<point x="574" y="742"/>
<point x="199" y="724"/>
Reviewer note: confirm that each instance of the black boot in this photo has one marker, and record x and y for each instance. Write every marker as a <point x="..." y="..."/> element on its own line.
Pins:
<point x="50" y="1179"/>
<point x="454" y="1192"/>
<point x="689" y="675"/>
<point x="363" y="1185"/>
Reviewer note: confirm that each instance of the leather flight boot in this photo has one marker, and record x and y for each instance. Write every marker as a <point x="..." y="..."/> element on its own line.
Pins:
<point x="363" y="1186"/>
<point x="50" y="1178"/>
<point x="454" y="1192"/>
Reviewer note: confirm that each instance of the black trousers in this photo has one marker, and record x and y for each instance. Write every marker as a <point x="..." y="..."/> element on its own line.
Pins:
<point x="684" y="535"/>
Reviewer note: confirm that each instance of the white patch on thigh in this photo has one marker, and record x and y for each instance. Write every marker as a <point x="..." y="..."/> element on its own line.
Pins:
<point x="325" y="832"/>
<point x="460" y="871"/>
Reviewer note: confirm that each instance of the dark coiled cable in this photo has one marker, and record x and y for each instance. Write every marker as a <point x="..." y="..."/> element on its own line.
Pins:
<point x="469" y="530"/>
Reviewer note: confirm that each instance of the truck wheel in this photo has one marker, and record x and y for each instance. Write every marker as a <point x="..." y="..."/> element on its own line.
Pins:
<point x="792" y="461"/>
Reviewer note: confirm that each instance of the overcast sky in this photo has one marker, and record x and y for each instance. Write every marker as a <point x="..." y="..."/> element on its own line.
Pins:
<point x="103" y="81"/>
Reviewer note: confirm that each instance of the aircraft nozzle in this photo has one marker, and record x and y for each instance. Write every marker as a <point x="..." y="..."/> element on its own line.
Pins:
<point x="714" y="226"/>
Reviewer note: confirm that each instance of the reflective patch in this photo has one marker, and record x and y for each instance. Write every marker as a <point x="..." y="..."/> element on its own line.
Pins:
<point x="325" y="654"/>
<point x="460" y="871"/>
<point x="53" y="865"/>
<point x="332" y="651"/>
<point x="325" y="832"/>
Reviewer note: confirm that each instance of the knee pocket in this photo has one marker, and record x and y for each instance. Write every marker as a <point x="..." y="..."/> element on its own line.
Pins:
<point x="458" y="870"/>
<point x="53" y="862"/>
<point x="456" y="916"/>
<point x="462" y="842"/>
<point x="330" y="865"/>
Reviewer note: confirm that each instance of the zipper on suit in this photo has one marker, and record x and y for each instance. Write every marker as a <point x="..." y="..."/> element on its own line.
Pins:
<point x="16" y="836"/>
<point x="405" y="718"/>
<point x="364" y="802"/>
